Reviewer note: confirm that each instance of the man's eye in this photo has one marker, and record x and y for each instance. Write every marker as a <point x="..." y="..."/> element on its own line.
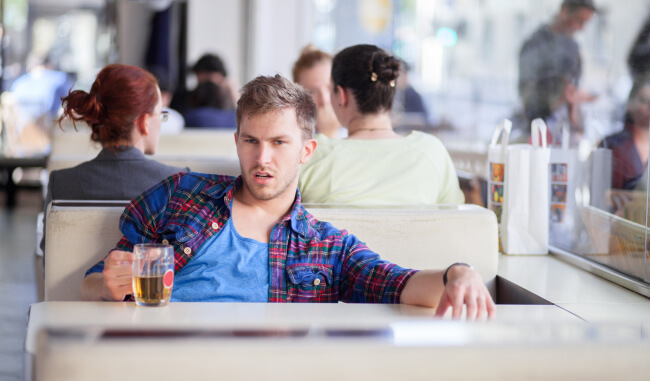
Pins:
<point x="250" y="140"/>
<point x="279" y="142"/>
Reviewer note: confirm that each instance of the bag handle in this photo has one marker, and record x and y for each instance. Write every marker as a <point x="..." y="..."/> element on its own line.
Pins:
<point x="503" y="130"/>
<point x="566" y="135"/>
<point x="537" y="129"/>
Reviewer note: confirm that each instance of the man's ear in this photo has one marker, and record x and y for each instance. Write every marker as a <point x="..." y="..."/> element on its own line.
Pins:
<point x="236" y="137"/>
<point x="308" y="150"/>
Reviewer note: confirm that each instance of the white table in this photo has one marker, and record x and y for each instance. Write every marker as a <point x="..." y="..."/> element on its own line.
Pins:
<point x="112" y="341"/>
<point x="586" y="295"/>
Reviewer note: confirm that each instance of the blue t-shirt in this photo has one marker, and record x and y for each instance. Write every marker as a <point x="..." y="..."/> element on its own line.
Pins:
<point x="228" y="268"/>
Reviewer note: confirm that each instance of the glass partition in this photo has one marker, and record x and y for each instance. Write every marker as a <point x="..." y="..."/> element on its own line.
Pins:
<point x="466" y="60"/>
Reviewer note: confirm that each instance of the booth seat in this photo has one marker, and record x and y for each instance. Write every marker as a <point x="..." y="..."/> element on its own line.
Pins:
<point x="224" y="165"/>
<point x="203" y="142"/>
<point x="80" y="233"/>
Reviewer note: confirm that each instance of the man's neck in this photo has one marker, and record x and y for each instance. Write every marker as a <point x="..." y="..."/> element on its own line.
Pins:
<point x="277" y="207"/>
<point x="255" y="218"/>
<point x="558" y="27"/>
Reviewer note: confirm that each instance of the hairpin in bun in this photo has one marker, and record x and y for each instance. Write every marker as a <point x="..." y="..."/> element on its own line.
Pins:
<point x="392" y="83"/>
<point x="373" y="77"/>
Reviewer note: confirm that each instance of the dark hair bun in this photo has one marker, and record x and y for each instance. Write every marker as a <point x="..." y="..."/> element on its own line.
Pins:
<point x="370" y="73"/>
<point x="387" y="67"/>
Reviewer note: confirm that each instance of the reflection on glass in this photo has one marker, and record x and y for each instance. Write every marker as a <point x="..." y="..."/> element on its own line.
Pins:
<point x="584" y="79"/>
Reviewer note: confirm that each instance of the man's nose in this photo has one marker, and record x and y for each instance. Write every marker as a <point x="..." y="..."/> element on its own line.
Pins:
<point x="264" y="154"/>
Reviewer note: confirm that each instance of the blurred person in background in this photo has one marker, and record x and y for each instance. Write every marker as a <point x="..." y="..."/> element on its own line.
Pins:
<point x="638" y="60"/>
<point x="40" y="89"/>
<point x="312" y="71"/>
<point x="631" y="146"/>
<point x="125" y="113"/>
<point x="551" y="52"/>
<point x="408" y="102"/>
<point x="208" y="68"/>
<point x="375" y="165"/>
<point x="210" y="106"/>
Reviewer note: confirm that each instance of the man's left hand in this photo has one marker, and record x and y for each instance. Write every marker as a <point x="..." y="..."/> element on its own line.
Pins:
<point x="465" y="287"/>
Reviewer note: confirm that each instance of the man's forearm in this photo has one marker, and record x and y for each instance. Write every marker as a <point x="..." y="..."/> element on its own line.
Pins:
<point x="423" y="288"/>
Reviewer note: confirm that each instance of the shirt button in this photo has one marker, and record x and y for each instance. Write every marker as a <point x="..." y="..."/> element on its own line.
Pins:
<point x="316" y="282"/>
<point x="165" y="242"/>
<point x="187" y="251"/>
<point x="215" y="226"/>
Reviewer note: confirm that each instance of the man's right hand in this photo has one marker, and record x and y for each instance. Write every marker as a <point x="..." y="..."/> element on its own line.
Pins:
<point x="118" y="275"/>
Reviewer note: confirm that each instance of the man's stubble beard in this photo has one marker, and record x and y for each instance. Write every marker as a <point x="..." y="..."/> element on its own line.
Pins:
<point x="261" y="193"/>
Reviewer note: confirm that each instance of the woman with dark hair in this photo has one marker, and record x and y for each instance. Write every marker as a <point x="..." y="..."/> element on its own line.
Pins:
<point x="630" y="147"/>
<point x="124" y="112"/>
<point x="375" y="165"/>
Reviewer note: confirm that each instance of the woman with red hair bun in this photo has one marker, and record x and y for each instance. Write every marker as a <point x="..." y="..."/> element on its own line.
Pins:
<point x="124" y="112"/>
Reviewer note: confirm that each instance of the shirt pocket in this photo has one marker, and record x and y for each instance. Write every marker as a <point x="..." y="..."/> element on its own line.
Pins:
<point x="310" y="283"/>
<point x="179" y="228"/>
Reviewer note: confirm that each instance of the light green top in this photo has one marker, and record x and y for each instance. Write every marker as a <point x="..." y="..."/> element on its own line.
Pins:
<point x="416" y="169"/>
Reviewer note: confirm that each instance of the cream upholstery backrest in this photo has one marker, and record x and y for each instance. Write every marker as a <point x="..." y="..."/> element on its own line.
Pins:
<point x="204" y="142"/>
<point x="427" y="237"/>
<point x="206" y="151"/>
<point x="215" y="165"/>
<point x="79" y="234"/>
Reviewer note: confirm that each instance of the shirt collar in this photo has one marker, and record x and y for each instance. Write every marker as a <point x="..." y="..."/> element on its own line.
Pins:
<point x="121" y="153"/>
<point x="296" y="218"/>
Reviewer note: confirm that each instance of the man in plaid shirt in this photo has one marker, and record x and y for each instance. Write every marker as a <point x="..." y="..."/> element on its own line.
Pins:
<point x="250" y="239"/>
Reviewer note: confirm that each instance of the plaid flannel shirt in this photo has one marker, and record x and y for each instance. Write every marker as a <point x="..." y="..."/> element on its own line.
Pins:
<point x="309" y="260"/>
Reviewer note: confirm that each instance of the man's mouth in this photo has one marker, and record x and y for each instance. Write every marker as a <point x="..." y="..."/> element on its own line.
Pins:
<point x="263" y="175"/>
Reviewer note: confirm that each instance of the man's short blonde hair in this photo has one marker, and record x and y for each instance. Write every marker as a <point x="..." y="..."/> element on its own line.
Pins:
<point x="267" y="94"/>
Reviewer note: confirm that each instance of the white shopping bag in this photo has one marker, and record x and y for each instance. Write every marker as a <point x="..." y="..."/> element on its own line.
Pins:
<point x="564" y="169"/>
<point x="525" y="219"/>
<point x="497" y="155"/>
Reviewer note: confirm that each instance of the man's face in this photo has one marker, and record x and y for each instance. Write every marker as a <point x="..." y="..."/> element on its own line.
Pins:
<point x="209" y="76"/>
<point x="316" y="80"/>
<point x="574" y="21"/>
<point x="270" y="149"/>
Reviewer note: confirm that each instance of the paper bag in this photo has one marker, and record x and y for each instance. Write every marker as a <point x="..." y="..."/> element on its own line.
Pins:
<point x="524" y="221"/>
<point x="497" y="155"/>
<point x="564" y="169"/>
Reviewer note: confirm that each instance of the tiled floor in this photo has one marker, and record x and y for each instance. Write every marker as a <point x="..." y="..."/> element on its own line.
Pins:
<point x="17" y="280"/>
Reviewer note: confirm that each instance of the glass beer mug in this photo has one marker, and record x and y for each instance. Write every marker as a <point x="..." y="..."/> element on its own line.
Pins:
<point x="153" y="274"/>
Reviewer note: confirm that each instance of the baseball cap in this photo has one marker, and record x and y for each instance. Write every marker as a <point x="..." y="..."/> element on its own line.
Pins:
<point x="580" y="3"/>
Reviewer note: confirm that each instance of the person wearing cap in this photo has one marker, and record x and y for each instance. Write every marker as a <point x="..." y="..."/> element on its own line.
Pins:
<point x="551" y="53"/>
